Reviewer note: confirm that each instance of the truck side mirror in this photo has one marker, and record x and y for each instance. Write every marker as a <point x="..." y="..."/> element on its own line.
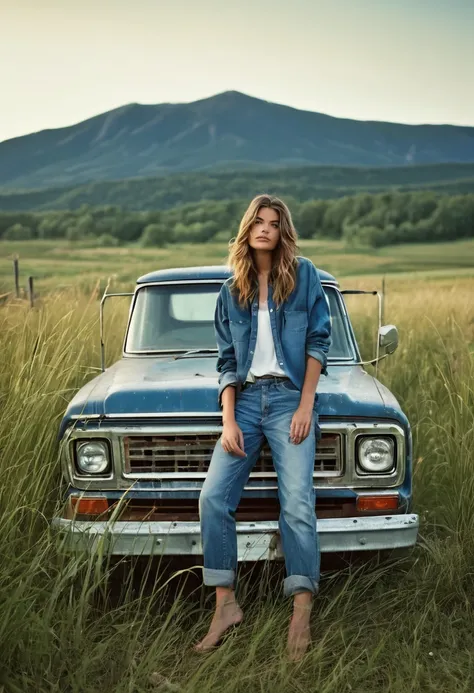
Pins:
<point x="388" y="339"/>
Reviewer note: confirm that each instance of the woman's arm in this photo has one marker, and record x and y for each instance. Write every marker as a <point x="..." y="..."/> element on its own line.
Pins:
<point x="302" y="418"/>
<point x="311" y="380"/>
<point x="226" y="361"/>
<point x="318" y="341"/>
<point x="232" y="438"/>
<point x="318" y="336"/>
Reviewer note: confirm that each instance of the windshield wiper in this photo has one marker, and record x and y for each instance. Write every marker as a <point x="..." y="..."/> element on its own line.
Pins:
<point x="194" y="352"/>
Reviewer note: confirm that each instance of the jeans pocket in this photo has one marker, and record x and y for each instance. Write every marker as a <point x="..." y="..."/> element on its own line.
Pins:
<point x="289" y="386"/>
<point x="317" y="427"/>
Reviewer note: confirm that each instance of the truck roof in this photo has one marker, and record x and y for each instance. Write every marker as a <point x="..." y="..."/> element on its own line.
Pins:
<point x="204" y="272"/>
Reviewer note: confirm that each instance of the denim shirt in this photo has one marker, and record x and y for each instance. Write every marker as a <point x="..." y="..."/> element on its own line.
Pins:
<point x="300" y="325"/>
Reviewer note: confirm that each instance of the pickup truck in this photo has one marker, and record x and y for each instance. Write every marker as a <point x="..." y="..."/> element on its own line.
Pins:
<point x="136" y="440"/>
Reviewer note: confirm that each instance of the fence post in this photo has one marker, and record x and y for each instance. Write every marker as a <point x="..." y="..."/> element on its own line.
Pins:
<point x="383" y="300"/>
<point x="16" y="272"/>
<point x="30" y="292"/>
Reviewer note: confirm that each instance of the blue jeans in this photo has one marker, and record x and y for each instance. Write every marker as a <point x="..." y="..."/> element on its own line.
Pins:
<point x="264" y="409"/>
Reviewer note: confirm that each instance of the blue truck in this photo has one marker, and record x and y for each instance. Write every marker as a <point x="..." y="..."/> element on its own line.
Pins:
<point x="136" y="440"/>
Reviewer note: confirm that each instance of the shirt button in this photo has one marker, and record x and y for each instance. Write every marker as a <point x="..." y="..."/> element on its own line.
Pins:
<point x="281" y="363"/>
<point x="251" y="352"/>
<point x="271" y="310"/>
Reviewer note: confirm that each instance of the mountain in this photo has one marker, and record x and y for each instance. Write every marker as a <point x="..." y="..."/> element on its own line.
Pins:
<point x="227" y="131"/>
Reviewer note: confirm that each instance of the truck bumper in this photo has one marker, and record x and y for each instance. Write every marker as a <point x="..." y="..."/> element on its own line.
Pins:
<point x="255" y="540"/>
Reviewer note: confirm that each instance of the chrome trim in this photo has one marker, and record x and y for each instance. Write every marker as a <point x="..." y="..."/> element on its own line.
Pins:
<point x="255" y="540"/>
<point x="119" y="481"/>
<point x="355" y="346"/>
<point x="349" y="334"/>
<point x="217" y="280"/>
<point x="332" y="360"/>
<point x="101" y="320"/>
<point x="149" y="415"/>
<point x="154" y="352"/>
<point x="370" y="494"/>
<point x="67" y="454"/>
<point x="174" y="282"/>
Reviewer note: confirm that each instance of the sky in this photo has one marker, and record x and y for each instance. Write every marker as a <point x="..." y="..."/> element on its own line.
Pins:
<point x="409" y="61"/>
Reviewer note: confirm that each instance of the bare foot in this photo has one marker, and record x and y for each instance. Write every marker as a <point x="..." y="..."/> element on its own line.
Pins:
<point x="299" y="636"/>
<point x="227" y="614"/>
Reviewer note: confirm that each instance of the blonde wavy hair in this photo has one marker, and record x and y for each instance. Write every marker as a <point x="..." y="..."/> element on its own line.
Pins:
<point x="240" y="259"/>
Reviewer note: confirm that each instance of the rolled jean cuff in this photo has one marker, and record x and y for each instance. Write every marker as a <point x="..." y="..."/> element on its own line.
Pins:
<point x="218" y="578"/>
<point x="299" y="583"/>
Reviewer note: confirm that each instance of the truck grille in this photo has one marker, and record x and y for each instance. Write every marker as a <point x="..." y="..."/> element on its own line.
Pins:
<point x="190" y="453"/>
<point x="248" y="510"/>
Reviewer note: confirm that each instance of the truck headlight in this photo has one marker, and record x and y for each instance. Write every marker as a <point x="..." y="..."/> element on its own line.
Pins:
<point x="92" y="457"/>
<point x="376" y="454"/>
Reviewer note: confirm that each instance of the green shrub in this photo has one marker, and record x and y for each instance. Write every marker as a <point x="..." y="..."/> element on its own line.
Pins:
<point x="155" y="235"/>
<point x="18" y="232"/>
<point x="106" y="240"/>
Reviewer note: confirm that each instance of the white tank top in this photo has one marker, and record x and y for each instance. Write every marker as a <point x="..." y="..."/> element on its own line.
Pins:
<point x="264" y="361"/>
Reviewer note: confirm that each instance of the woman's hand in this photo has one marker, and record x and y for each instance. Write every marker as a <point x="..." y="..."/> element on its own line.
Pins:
<point x="232" y="439"/>
<point x="301" y="424"/>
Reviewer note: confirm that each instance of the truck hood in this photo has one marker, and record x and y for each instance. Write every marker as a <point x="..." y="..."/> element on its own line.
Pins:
<point x="137" y="386"/>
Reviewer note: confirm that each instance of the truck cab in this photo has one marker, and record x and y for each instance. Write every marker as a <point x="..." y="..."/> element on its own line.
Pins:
<point x="136" y="441"/>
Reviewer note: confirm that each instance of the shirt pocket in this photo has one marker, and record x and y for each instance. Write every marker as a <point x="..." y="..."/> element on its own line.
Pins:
<point x="240" y="329"/>
<point x="295" y="320"/>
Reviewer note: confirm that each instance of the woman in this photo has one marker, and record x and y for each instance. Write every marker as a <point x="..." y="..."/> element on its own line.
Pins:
<point x="267" y="384"/>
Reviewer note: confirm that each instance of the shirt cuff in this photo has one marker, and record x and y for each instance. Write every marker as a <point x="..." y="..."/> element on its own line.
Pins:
<point x="321" y="357"/>
<point x="226" y="379"/>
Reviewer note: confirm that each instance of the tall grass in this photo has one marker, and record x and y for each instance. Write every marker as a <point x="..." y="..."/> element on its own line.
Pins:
<point x="70" y="623"/>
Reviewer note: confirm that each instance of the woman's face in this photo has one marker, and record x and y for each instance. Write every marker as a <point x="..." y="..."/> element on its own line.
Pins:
<point x="265" y="232"/>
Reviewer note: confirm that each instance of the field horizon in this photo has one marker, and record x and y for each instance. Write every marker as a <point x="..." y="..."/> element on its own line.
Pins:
<point x="59" y="264"/>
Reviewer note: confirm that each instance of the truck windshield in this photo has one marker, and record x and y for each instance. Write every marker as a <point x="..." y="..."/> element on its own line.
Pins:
<point x="180" y="317"/>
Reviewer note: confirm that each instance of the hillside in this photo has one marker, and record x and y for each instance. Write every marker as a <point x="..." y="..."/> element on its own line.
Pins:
<point x="305" y="183"/>
<point x="227" y="131"/>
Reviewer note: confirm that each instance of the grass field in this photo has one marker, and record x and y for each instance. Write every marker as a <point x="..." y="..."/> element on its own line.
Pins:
<point x="405" y="626"/>
<point x="64" y="265"/>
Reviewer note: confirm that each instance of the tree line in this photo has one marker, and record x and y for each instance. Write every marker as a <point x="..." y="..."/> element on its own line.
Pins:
<point x="302" y="183"/>
<point x="365" y="219"/>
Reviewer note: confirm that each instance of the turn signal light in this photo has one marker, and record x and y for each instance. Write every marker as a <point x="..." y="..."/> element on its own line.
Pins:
<point x="90" y="506"/>
<point x="377" y="503"/>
